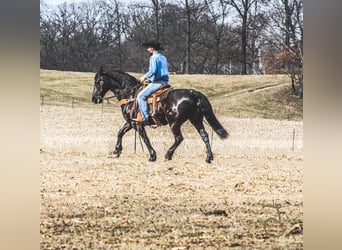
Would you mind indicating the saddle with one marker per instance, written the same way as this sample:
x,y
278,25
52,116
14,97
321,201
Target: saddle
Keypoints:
x,y
153,101
156,97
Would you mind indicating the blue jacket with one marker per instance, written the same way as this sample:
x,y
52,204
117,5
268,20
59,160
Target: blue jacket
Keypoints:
x,y
158,68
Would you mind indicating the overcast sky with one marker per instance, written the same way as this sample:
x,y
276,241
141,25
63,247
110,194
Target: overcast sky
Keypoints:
x,y
56,2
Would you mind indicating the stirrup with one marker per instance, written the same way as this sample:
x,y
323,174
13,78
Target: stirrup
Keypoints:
x,y
136,120
139,118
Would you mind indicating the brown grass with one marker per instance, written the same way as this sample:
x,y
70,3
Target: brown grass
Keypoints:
x,y
237,96
90,200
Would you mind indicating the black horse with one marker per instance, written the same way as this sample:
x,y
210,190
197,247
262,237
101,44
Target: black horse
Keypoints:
x,y
179,106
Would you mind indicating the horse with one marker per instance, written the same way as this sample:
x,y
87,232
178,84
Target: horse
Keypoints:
x,y
180,105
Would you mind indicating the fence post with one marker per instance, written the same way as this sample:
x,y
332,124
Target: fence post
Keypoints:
x,y
293,138
135,141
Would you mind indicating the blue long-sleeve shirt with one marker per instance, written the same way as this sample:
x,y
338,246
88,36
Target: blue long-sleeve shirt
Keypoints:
x,y
158,68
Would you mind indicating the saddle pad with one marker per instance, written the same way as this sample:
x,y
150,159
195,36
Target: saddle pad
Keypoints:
x,y
159,95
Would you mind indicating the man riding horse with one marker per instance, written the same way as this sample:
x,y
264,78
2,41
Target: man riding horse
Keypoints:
x,y
158,73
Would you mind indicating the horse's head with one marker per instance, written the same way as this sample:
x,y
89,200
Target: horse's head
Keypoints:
x,y
100,86
103,82
120,83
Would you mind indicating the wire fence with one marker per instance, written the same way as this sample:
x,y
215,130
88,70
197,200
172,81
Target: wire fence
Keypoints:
x,y
110,104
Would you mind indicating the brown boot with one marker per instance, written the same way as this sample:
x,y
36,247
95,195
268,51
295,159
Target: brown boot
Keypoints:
x,y
139,118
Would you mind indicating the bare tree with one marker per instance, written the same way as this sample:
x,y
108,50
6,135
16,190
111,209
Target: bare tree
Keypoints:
x,y
188,36
285,46
117,24
257,23
199,36
156,10
218,11
243,7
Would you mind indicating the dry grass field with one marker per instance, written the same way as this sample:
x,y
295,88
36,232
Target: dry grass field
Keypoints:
x,y
250,197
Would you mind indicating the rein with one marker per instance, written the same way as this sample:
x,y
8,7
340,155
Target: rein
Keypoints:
x,y
110,97
122,101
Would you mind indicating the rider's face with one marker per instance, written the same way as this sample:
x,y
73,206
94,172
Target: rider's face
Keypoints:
x,y
150,50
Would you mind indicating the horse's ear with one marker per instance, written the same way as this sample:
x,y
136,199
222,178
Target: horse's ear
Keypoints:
x,y
101,69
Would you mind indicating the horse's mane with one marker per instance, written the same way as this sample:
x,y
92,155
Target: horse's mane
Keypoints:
x,y
125,79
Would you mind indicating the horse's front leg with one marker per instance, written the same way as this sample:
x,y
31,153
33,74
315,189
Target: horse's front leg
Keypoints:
x,y
143,135
118,148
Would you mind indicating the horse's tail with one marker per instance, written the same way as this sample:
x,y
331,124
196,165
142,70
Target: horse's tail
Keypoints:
x,y
205,106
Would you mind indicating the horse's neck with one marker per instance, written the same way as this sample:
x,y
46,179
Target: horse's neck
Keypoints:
x,y
131,85
129,92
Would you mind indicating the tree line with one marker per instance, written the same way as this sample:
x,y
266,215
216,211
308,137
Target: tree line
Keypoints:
x,y
198,36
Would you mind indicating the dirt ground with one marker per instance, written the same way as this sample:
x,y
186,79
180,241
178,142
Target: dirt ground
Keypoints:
x,y
250,197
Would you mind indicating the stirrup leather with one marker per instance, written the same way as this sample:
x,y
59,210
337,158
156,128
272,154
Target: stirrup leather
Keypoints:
x,y
139,117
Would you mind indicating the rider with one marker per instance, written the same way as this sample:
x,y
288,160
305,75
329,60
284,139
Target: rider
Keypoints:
x,y
159,74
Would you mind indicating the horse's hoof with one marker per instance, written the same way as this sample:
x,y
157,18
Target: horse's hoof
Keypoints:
x,y
152,159
168,157
209,159
116,154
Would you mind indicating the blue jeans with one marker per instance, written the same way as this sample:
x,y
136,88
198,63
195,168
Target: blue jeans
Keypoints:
x,y
142,97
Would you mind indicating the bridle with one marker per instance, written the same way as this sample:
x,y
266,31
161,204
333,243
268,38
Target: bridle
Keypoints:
x,y
122,100
101,83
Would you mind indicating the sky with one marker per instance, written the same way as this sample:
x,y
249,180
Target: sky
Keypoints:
x,y
56,2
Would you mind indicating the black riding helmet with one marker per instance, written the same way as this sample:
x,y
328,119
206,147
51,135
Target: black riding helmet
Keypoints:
x,y
154,44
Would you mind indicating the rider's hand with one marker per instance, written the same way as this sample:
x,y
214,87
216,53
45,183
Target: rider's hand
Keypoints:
x,y
142,79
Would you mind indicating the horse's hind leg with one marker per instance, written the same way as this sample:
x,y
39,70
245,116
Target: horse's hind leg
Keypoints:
x,y
175,128
123,130
204,135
